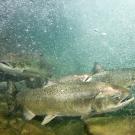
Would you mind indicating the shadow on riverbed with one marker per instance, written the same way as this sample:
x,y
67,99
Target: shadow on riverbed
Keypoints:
x,y
120,123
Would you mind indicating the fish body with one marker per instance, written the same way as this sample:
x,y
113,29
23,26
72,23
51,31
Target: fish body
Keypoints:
x,y
123,77
74,78
33,79
73,99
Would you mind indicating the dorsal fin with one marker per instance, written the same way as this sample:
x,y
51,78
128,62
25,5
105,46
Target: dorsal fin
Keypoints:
x,y
97,68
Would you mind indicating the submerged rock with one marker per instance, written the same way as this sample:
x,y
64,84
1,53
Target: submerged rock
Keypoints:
x,y
71,127
112,125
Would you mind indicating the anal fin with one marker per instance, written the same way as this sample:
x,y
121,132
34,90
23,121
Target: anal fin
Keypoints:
x,y
28,114
48,118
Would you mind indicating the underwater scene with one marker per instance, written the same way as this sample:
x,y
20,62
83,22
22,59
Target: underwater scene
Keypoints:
x,y
67,67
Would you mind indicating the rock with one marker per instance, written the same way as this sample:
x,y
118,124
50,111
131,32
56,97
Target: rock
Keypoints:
x,y
69,126
112,125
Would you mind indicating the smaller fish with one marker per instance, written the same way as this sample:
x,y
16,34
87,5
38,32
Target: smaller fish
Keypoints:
x,y
74,78
97,68
33,79
124,77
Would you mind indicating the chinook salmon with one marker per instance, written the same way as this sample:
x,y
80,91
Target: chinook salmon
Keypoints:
x,y
124,77
73,99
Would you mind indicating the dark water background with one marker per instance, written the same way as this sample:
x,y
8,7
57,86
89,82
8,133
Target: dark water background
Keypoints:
x,y
71,34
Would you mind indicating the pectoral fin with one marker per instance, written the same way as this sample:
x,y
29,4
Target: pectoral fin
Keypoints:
x,y
28,114
47,119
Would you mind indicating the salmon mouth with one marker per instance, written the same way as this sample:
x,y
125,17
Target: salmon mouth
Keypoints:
x,y
124,102
126,99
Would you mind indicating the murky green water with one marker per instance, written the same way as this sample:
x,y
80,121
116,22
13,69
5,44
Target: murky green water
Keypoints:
x,y
58,38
